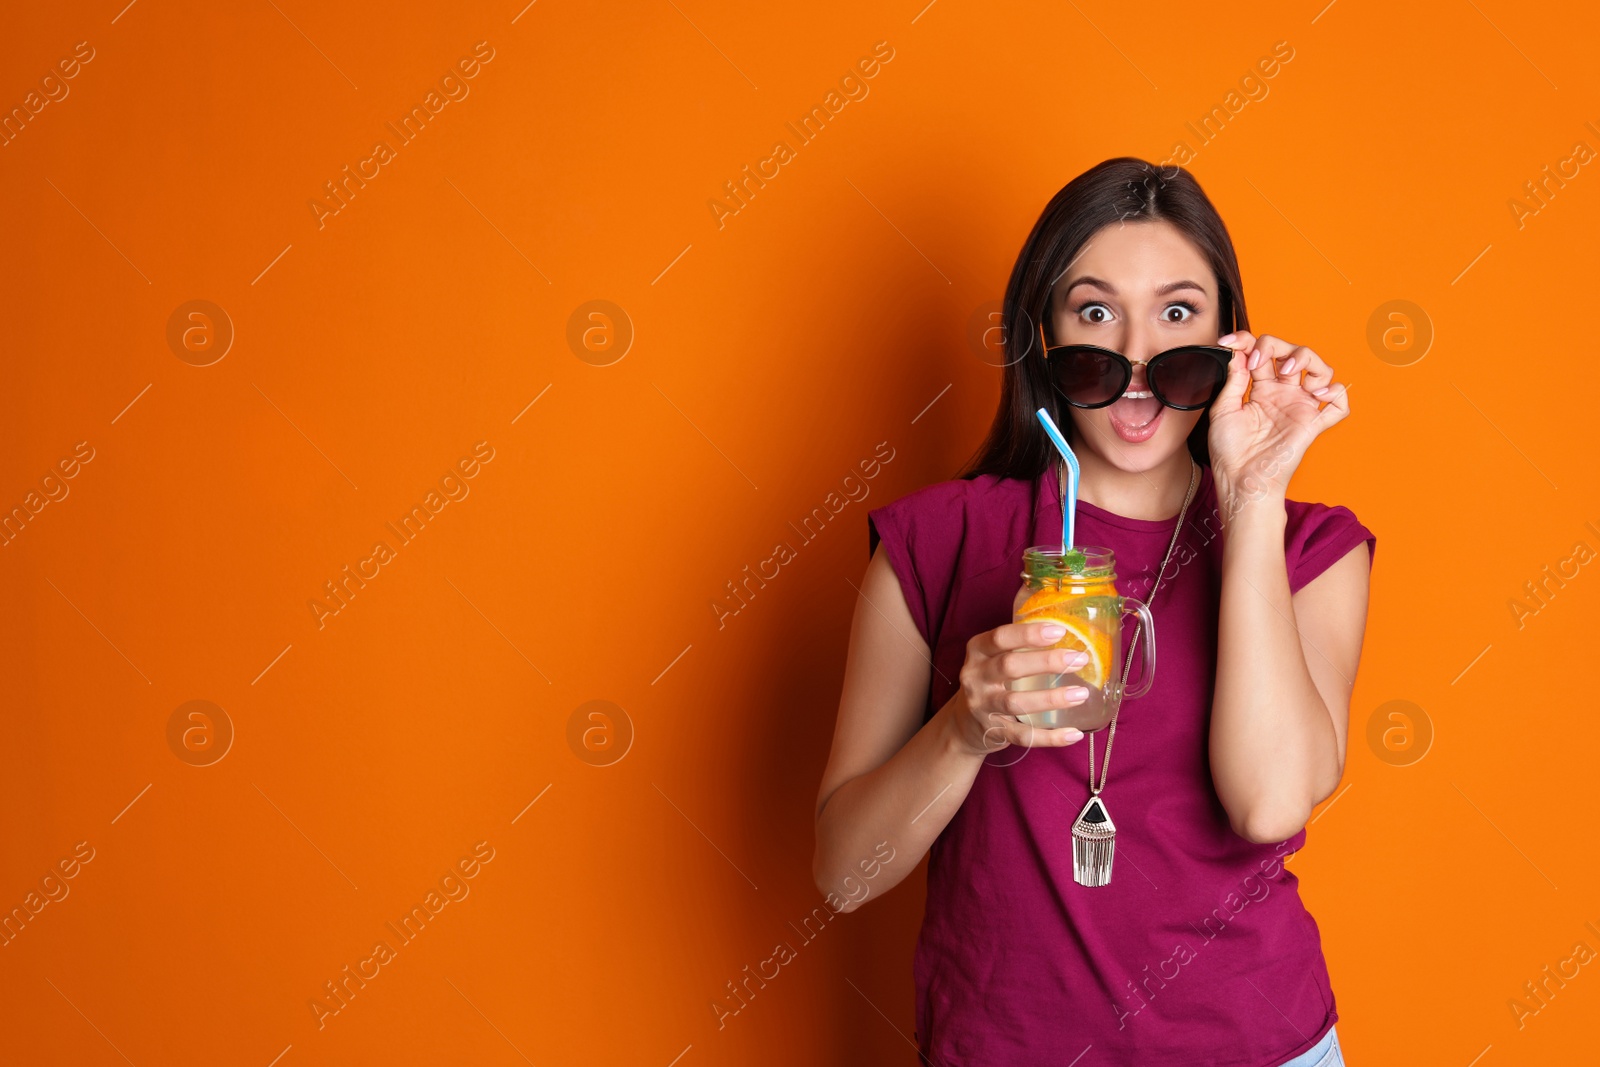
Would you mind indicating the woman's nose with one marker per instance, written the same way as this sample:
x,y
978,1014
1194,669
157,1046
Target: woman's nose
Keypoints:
x,y
1138,349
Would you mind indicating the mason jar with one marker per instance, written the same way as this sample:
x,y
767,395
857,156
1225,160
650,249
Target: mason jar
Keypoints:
x,y
1078,589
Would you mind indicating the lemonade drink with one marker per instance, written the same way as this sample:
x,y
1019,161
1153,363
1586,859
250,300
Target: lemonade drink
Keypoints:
x,y
1078,590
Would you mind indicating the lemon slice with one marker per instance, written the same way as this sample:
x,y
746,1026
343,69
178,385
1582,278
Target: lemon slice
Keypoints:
x,y
1081,637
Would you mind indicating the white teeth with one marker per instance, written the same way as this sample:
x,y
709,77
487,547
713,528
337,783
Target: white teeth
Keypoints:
x,y
1138,396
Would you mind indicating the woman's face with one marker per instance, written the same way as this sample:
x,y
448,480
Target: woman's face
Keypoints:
x,y
1138,288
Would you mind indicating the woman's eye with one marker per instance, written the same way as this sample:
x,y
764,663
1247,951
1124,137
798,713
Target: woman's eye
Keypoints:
x,y
1187,311
1089,312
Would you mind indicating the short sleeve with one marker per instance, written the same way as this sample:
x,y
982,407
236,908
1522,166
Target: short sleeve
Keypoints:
x,y
1317,537
921,533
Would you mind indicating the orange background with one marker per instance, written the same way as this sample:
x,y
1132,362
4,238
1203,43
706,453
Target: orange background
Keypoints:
x,y
769,357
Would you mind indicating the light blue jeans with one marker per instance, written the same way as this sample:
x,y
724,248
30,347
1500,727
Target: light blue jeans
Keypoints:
x,y
1325,1054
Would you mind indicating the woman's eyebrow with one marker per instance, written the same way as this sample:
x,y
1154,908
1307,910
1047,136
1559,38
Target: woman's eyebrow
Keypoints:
x,y
1089,279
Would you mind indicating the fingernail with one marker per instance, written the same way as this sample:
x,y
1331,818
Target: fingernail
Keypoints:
x,y
1319,392
1289,366
1054,630
1225,339
1255,357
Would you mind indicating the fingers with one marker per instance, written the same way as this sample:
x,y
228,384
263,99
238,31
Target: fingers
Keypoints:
x,y
1006,731
1317,373
1265,358
1031,701
1317,379
1000,657
1015,635
1024,663
1261,351
1233,387
1239,341
1337,406
1005,728
1033,737
1272,348
1250,345
1272,358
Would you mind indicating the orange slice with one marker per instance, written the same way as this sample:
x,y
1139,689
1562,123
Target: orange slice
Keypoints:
x,y
1068,597
1081,636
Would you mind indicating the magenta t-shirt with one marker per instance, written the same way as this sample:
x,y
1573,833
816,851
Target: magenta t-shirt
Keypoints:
x,y
1199,952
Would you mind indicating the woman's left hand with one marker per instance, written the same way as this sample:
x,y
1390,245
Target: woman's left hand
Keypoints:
x,y
1256,444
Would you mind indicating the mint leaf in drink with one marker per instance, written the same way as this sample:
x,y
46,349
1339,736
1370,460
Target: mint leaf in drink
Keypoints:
x,y
1073,561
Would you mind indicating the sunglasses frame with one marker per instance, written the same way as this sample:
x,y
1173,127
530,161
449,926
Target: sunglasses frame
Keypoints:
x,y
1221,354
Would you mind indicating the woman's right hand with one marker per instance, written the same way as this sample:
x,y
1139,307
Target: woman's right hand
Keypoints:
x,y
986,715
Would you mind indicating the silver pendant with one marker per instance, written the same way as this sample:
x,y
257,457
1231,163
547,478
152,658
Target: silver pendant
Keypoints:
x,y
1094,841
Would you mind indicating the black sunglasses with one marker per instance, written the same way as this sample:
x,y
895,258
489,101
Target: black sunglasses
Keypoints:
x,y
1187,378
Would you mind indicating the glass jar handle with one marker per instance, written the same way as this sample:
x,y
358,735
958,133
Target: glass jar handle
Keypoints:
x,y
1146,636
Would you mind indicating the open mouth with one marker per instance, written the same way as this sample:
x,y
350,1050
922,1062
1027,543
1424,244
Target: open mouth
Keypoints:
x,y
1135,415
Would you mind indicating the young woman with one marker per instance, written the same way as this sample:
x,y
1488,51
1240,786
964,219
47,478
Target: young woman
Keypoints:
x,y
1198,951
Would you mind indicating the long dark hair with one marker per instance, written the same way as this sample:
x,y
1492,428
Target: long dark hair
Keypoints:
x,y
1121,189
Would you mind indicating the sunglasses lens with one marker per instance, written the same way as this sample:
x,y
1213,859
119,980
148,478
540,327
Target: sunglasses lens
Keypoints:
x,y
1086,377
1188,377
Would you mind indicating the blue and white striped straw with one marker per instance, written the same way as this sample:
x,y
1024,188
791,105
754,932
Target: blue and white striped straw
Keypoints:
x,y
1069,506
